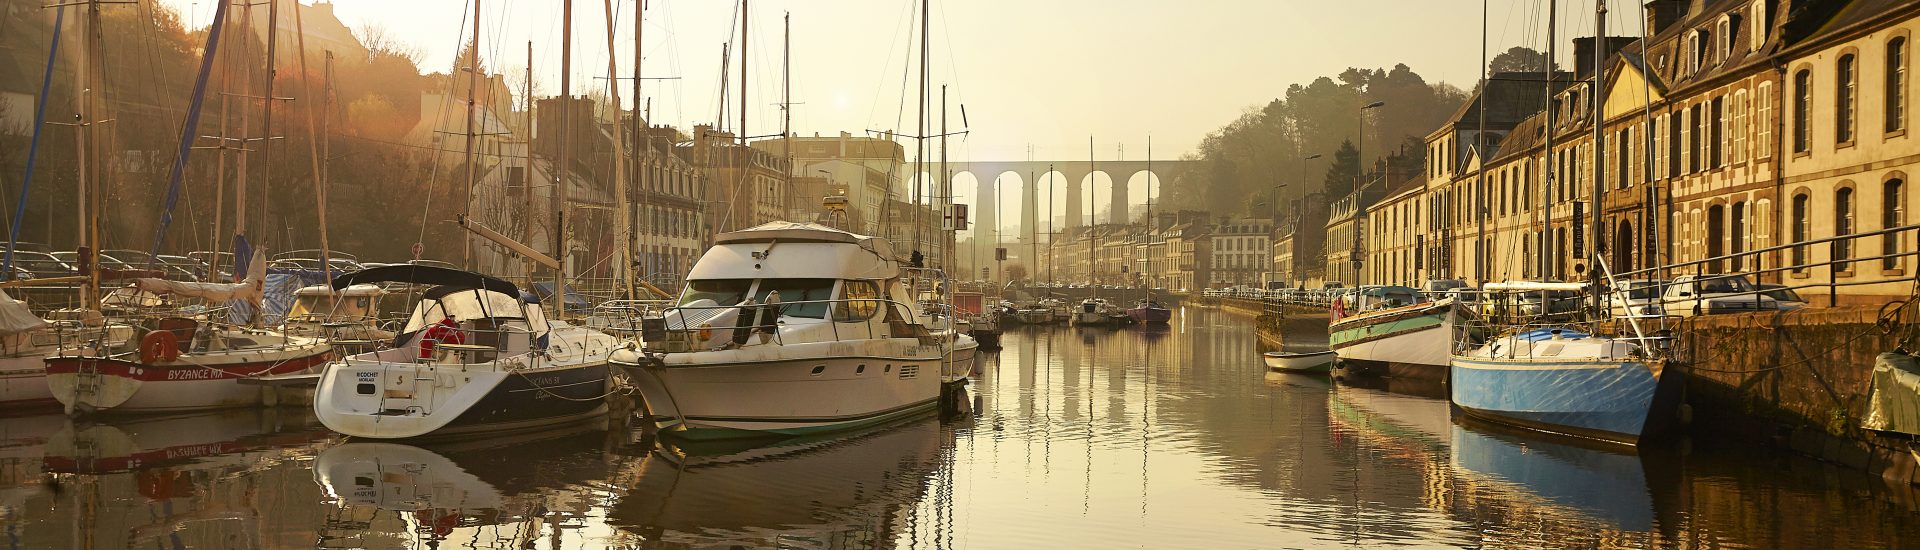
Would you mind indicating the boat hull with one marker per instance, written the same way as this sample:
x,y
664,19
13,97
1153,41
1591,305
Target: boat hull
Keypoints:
x,y
84,384
1411,343
730,394
1156,315
23,383
427,400
1608,400
1300,362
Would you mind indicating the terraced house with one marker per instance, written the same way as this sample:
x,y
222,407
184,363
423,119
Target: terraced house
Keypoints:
x,y
1735,130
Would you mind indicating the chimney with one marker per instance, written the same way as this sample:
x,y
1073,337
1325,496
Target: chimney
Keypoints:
x,y
1583,53
1662,14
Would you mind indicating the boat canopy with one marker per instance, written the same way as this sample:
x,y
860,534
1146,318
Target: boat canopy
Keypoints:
x,y
1532,286
464,303
788,250
426,275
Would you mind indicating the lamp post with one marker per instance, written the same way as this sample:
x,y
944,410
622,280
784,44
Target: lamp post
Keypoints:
x,y
1273,273
1359,188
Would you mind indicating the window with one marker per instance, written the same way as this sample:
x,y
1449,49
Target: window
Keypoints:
x,y
1893,213
1802,105
1842,226
1757,15
862,301
1801,227
1739,153
1843,99
1717,148
1691,154
1716,236
1726,38
1763,121
1896,93
1737,235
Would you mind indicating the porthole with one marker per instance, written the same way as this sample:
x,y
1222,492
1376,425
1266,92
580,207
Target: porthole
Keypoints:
x,y
819,369
862,369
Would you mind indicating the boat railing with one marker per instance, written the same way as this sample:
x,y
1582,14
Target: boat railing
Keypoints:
x,y
846,319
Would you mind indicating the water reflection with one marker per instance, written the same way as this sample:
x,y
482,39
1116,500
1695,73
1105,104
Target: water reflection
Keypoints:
x,y
1122,438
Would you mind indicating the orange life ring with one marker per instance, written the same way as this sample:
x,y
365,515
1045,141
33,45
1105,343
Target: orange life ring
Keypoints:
x,y
158,346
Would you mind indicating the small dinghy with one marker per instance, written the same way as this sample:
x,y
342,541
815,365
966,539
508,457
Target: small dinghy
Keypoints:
x,y
1316,361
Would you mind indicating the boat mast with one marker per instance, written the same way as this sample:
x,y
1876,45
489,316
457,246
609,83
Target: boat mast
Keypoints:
x,y
643,150
620,198
920,141
266,129
1548,256
526,99
1093,263
1050,235
1595,245
563,168
316,144
473,85
946,184
1150,220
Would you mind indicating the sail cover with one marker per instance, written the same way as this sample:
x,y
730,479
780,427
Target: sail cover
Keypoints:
x,y
249,290
15,319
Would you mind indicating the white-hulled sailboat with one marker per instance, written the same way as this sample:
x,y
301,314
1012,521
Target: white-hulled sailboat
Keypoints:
x,y
475,356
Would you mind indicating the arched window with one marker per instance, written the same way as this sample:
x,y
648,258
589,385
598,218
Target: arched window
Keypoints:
x,y
1893,213
1802,110
1896,92
1842,226
1801,227
1843,94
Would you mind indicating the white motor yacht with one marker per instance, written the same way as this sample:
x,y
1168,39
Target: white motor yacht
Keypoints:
x,y
792,328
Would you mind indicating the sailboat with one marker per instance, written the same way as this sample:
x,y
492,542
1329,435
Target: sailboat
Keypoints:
x,y
187,359
1149,311
1584,381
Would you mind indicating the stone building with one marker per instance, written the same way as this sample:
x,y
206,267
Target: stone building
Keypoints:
x,y
1242,252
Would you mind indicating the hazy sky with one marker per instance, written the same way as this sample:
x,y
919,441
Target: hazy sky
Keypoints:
x,y
1045,73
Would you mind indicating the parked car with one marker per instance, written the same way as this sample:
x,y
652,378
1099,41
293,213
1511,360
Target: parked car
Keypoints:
x,y
1785,297
1690,295
1635,297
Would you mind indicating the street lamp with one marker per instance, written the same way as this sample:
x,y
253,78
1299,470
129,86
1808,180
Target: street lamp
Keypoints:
x,y
1359,186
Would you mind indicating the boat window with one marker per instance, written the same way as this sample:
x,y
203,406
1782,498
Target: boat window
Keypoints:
x,y
724,292
861,301
798,290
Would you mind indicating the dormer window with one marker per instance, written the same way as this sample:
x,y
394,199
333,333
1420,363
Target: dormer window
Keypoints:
x,y
1757,16
1727,24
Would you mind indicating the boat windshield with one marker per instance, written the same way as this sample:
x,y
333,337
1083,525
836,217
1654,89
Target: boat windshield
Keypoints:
x,y
470,305
798,290
724,292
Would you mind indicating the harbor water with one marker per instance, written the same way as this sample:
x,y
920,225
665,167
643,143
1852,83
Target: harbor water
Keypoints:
x,y
1170,437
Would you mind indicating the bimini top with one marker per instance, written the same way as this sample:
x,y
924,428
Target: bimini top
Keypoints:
x,y
1533,286
780,250
425,275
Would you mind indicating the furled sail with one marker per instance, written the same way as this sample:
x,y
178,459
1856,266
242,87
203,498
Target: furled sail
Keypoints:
x,y
248,290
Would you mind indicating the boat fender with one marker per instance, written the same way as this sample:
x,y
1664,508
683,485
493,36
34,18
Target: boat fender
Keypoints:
x,y
159,346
